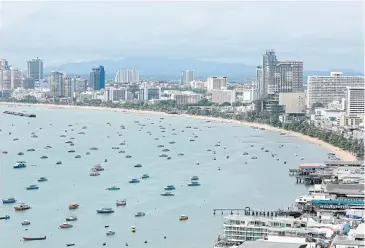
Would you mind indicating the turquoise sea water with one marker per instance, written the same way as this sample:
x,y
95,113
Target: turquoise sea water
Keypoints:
x,y
260,184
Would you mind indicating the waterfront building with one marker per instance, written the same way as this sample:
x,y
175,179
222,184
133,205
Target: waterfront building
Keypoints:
x,y
187,76
147,93
260,87
10,78
185,97
80,84
198,84
97,78
115,94
293,102
69,87
326,89
249,95
222,96
56,84
127,76
217,83
355,100
269,62
35,69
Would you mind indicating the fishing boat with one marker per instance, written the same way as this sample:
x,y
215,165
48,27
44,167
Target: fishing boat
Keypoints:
x,y
113,188
66,225
71,218
170,187
25,223
121,202
167,194
183,217
22,207
145,176
9,200
160,146
110,233
19,165
32,187
172,142
97,167
165,150
134,180
105,211
48,147
139,214
73,206
6,217
35,238
194,178
194,183
42,179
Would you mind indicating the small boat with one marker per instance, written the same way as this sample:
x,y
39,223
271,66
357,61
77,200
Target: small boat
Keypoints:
x,y
113,188
128,156
121,203
81,132
25,223
97,168
105,211
266,150
66,225
48,147
133,229
253,157
183,217
194,178
19,165
88,153
160,146
71,218
78,156
134,180
139,214
115,148
35,238
194,183
94,174
59,162
73,244
94,148
121,151
167,194
9,200
170,187
145,176
73,206
165,150
31,150
22,207
163,156
138,166
172,142
32,186
180,154
68,142
6,217
245,153
84,127
168,158
110,233
44,157
192,140
42,179
71,151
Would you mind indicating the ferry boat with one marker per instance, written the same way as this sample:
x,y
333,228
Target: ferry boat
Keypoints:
x,y
71,218
145,176
32,187
105,211
26,223
167,194
183,217
170,187
134,180
9,200
194,183
22,207
20,164
121,202
194,178
73,206
35,238
6,217
66,225
139,214
42,179
113,188
110,233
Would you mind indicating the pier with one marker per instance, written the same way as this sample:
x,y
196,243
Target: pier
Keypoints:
x,y
19,114
247,211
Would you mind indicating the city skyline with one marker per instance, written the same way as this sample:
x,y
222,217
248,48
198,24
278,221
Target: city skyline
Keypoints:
x,y
321,44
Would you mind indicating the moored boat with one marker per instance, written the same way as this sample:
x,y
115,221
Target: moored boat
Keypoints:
x,y
167,194
194,178
25,223
105,211
121,202
73,206
22,207
32,187
113,188
170,187
71,218
134,180
42,179
145,176
20,164
139,214
183,217
138,166
110,233
94,173
66,225
194,183
9,200
6,217
35,238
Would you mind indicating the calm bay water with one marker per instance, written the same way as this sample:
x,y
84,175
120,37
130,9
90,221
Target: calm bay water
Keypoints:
x,y
260,184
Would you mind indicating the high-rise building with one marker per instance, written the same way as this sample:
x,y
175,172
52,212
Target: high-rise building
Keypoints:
x,y
260,87
288,77
147,93
355,100
80,84
115,94
4,64
97,78
16,78
222,96
28,83
127,76
217,83
69,87
187,76
326,89
56,84
10,78
269,62
35,69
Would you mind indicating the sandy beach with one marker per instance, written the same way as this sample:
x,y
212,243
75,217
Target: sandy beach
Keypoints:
x,y
344,155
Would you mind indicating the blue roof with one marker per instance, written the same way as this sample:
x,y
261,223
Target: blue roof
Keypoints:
x,y
338,202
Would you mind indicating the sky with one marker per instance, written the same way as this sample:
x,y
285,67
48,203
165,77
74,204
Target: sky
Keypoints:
x,y
324,35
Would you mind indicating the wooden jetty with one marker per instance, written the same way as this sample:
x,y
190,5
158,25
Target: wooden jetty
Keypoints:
x,y
247,211
19,114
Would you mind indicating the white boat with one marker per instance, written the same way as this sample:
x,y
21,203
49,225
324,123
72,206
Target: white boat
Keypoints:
x,y
66,225
121,202
25,223
110,233
71,218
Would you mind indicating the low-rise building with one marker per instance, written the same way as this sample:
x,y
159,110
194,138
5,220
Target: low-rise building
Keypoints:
x,y
185,97
148,93
197,84
293,102
115,94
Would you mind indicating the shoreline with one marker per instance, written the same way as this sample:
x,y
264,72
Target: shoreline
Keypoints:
x,y
342,154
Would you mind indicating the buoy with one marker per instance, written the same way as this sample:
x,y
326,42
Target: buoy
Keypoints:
x,y
145,241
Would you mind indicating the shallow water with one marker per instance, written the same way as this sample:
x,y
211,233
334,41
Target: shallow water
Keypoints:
x,y
260,184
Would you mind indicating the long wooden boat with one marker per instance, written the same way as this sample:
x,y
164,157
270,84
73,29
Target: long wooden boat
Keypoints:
x,y
35,238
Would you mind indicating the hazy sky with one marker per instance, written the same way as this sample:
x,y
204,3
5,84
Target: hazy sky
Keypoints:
x,y
324,35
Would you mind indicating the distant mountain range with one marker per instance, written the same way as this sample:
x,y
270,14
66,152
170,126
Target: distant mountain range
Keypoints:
x,y
170,69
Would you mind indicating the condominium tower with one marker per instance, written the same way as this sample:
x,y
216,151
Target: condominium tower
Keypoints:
x,y
35,69
127,76
97,78
187,76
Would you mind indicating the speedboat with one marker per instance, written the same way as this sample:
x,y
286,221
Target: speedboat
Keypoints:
x,y
73,206
170,187
138,166
121,202
22,207
66,225
71,218
32,186
110,233
35,238
194,178
134,180
145,176
9,200
167,194
183,217
19,165
105,211
25,223
194,183
113,188
139,214
42,179
6,217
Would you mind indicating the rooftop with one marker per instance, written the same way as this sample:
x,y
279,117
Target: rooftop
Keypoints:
x,y
268,244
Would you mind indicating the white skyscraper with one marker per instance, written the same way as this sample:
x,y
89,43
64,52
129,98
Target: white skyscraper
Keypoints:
x,y
217,83
56,84
10,78
187,76
127,76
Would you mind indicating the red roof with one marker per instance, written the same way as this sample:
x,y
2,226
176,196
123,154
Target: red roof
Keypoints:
x,y
310,166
